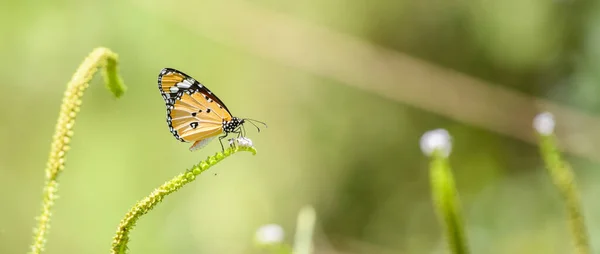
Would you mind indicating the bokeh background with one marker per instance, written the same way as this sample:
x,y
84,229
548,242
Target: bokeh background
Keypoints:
x,y
347,88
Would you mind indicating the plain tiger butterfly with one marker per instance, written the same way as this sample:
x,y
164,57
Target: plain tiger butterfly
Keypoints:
x,y
194,113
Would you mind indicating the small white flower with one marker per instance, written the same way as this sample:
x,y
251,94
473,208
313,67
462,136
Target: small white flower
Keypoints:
x,y
243,141
269,234
436,139
544,123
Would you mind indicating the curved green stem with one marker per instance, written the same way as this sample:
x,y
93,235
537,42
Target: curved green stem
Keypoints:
x,y
142,207
446,202
100,57
563,177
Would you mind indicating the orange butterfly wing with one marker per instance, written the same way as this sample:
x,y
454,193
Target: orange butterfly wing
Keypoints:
x,y
194,118
194,114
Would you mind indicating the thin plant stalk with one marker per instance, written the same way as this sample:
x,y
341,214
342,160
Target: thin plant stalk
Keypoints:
x,y
303,242
121,238
98,58
447,204
564,179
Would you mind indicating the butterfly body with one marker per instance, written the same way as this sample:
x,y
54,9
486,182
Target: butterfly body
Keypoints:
x,y
194,113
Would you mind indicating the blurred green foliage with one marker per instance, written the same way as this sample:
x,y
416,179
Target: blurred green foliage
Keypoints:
x,y
352,154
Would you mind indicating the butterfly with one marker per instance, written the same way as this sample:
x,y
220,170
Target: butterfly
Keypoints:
x,y
194,113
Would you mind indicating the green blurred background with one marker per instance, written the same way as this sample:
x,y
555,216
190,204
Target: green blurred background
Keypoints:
x,y
350,152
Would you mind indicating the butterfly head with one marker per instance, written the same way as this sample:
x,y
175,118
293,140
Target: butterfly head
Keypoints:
x,y
232,125
236,125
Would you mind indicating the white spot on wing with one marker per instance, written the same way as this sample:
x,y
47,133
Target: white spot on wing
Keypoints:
x,y
174,89
185,84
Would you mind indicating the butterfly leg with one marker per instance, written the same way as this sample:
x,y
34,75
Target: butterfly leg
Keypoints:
x,y
243,130
240,131
221,141
231,142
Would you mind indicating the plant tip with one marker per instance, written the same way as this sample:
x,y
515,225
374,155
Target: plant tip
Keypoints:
x,y
544,123
436,139
243,141
269,234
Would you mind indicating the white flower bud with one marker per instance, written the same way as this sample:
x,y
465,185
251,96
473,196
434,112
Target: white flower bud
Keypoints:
x,y
544,123
436,139
243,141
269,234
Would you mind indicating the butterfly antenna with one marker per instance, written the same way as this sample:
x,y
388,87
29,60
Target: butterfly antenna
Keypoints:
x,y
252,122
254,125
